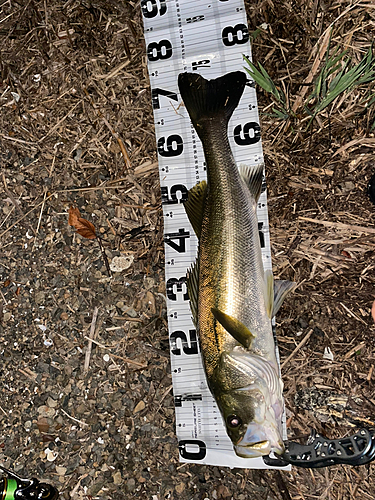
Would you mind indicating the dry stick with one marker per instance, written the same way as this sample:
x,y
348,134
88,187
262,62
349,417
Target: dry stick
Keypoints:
x,y
115,134
75,419
352,314
126,360
40,216
301,344
13,139
312,73
92,333
367,141
354,350
12,198
104,255
339,225
3,297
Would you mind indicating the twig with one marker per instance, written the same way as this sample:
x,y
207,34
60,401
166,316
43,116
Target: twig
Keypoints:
x,y
3,297
301,344
354,350
72,418
92,333
313,71
18,140
11,197
104,255
340,225
126,360
352,314
40,216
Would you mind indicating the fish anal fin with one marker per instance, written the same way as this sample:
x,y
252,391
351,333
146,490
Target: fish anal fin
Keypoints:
x,y
194,206
269,292
281,290
252,175
275,292
234,327
193,290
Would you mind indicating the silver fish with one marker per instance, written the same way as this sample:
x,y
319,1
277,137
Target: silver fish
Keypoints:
x,y
232,299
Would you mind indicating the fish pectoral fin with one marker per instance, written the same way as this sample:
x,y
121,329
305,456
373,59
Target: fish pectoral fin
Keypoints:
x,y
281,290
234,327
194,206
192,281
252,175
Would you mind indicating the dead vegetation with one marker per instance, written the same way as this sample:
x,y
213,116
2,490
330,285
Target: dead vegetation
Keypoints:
x,y
77,128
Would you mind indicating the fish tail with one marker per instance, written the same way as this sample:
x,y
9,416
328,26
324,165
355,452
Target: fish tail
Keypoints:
x,y
211,99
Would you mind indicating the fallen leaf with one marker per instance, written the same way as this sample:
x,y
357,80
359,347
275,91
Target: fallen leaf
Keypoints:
x,y
373,311
74,215
83,227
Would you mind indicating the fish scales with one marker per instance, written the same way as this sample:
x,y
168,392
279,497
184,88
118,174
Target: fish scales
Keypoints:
x,y
232,299
231,269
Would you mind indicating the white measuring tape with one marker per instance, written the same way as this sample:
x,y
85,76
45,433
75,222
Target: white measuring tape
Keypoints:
x,y
209,38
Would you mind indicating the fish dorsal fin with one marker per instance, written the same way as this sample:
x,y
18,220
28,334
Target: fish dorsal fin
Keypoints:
x,y
194,206
281,290
234,327
253,178
193,287
275,293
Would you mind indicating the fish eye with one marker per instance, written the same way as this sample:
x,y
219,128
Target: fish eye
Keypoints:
x,y
233,421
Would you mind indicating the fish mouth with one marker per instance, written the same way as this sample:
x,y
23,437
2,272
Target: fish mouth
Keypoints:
x,y
259,440
254,450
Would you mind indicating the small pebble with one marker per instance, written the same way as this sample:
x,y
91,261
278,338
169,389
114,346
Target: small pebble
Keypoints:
x,y
46,411
140,406
121,263
60,470
130,484
117,478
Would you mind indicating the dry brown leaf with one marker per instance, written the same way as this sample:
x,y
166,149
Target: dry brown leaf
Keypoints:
x,y
83,227
74,215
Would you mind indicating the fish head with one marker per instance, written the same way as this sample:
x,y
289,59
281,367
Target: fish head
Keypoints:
x,y
249,395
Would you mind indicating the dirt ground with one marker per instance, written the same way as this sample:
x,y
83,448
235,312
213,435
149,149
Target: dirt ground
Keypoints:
x,y
87,397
